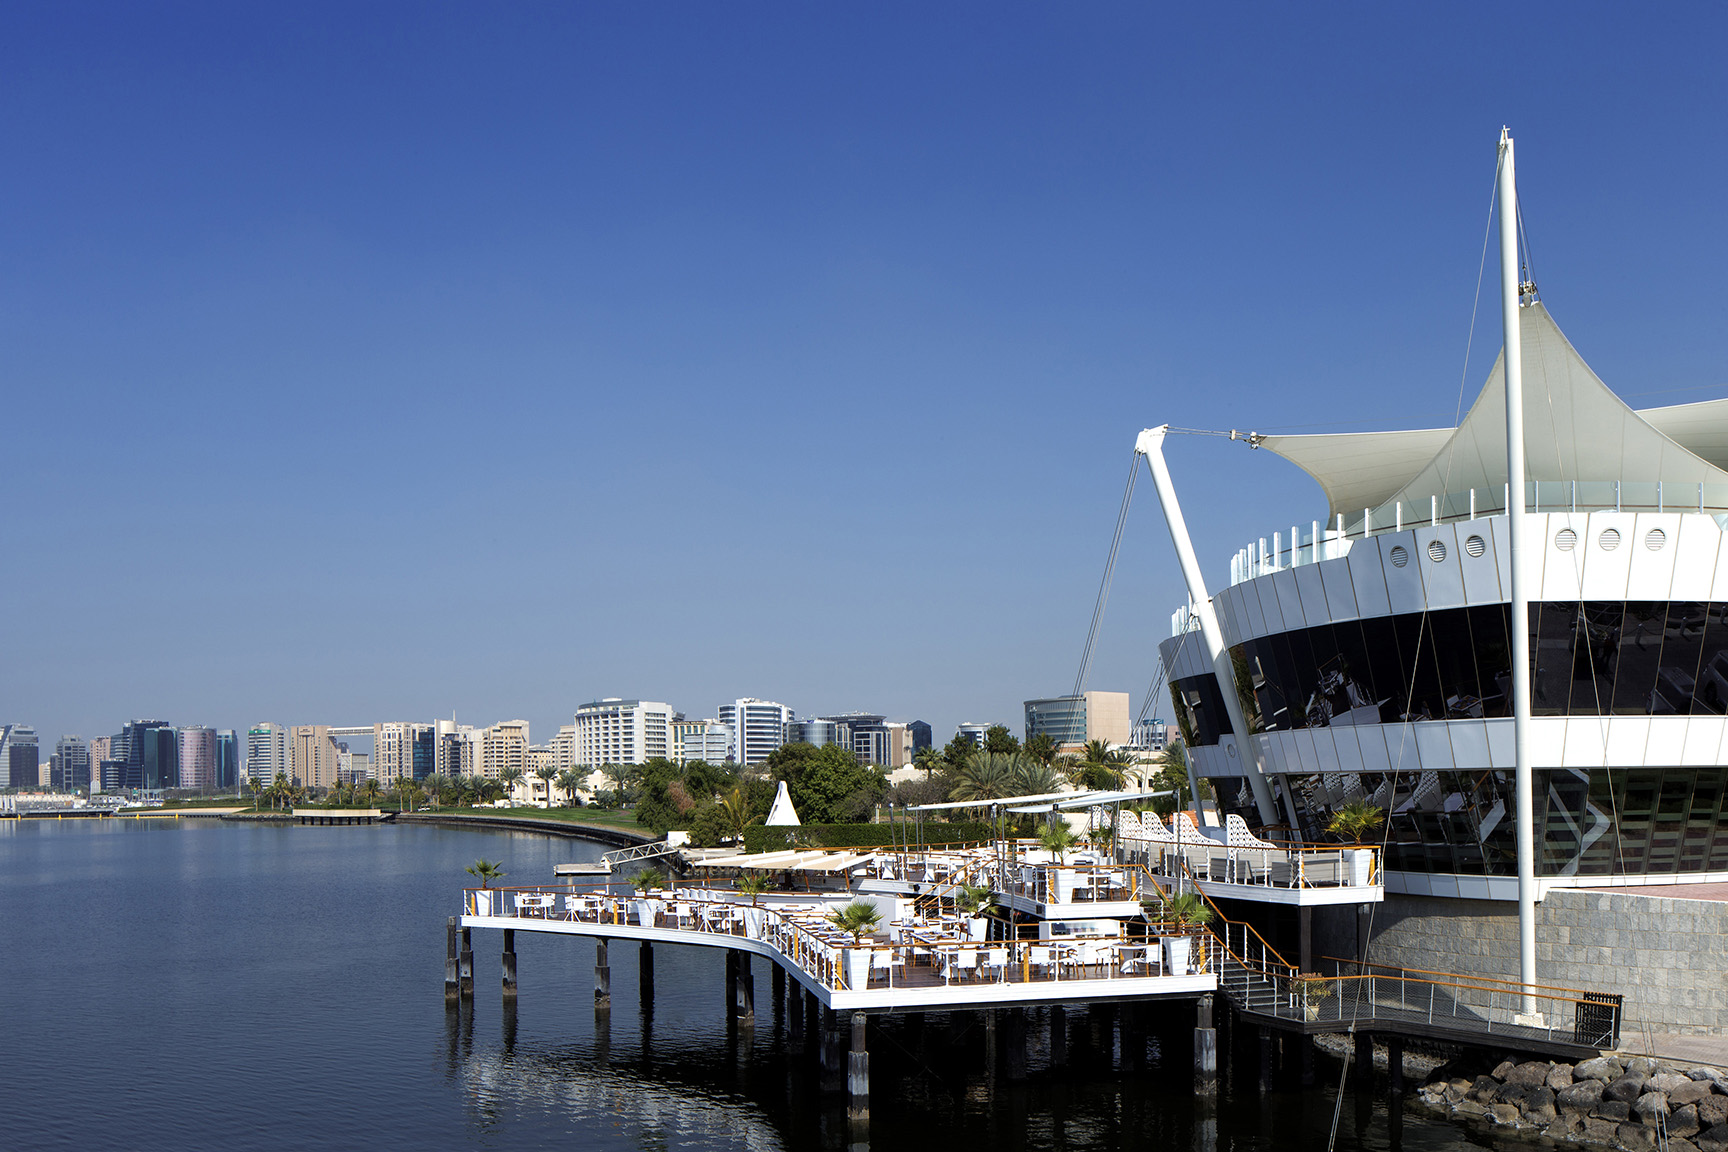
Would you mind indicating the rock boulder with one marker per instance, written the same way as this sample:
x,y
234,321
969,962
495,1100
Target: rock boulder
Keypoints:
x,y
1531,1074
1603,1068
1559,1076
1628,1088
1583,1096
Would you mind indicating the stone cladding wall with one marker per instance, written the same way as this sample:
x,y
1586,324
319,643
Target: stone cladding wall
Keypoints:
x,y
1669,958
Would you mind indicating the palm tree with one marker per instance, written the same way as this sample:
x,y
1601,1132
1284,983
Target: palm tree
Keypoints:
x,y
568,780
984,776
858,918
436,786
1355,820
752,885
369,792
1042,747
973,899
487,871
1032,778
1180,908
547,774
735,807
649,879
1056,839
928,759
509,778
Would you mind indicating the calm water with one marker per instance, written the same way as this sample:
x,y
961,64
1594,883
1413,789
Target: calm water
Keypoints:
x,y
197,984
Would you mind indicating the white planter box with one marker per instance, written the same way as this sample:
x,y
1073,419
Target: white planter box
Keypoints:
x,y
753,921
1361,862
1061,886
857,968
1177,950
978,926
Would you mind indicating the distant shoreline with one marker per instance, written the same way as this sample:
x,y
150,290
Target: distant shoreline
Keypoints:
x,y
570,829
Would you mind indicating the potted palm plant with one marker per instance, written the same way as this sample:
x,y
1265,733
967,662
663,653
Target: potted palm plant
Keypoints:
x,y
753,886
1057,839
1354,822
1182,912
973,901
858,918
485,871
648,881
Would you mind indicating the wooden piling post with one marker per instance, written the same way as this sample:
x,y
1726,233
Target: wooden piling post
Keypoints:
x,y
602,977
746,990
858,1074
1395,1066
1015,1065
731,984
465,964
1263,1082
509,962
452,979
1364,1070
1205,1049
645,971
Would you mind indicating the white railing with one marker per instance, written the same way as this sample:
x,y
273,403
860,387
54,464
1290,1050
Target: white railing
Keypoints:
x,y
919,953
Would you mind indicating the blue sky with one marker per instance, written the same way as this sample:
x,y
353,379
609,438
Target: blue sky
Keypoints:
x,y
367,362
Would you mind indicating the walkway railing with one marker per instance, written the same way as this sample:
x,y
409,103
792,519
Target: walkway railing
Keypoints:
x,y
918,953
1297,867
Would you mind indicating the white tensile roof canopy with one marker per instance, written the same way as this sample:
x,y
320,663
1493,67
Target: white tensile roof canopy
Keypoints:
x,y
781,813
1575,428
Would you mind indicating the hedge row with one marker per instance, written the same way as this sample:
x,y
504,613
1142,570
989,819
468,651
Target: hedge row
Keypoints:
x,y
758,838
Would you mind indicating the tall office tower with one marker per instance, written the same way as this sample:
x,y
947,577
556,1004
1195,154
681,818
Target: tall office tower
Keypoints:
x,y
1151,736
19,756
197,752
314,755
453,748
70,764
227,758
870,737
758,727
1073,721
974,733
402,749
614,731
564,748
101,748
920,735
706,740
268,754
352,767
147,753
502,746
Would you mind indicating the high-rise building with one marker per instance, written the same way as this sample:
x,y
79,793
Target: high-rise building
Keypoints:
x,y
614,731
20,756
1073,721
146,757
447,737
197,757
758,727
972,733
227,758
70,764
314,755
352,767
826,730
920,735
101,748
502,746
1150,736
706,740
400,749
870,737
269,753
564,748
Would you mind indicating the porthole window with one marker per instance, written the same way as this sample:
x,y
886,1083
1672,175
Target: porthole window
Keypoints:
x,y
1475,547
1565,539
1436,551
1654,539
1400,557
1610,539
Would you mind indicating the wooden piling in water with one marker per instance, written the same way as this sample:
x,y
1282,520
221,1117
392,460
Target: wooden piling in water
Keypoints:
x,y
452,977
602,977
465,964
858,1073
509,960
1205,1049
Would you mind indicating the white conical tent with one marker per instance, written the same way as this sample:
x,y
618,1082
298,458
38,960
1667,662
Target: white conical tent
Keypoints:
x,y
1575,428
781,813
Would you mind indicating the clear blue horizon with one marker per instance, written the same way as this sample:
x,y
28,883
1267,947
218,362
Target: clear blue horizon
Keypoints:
x,y
386,362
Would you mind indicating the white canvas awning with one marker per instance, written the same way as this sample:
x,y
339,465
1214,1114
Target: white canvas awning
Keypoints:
x,y
1575,428
781,813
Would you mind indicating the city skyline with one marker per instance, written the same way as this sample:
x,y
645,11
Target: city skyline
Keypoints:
x,y
500,303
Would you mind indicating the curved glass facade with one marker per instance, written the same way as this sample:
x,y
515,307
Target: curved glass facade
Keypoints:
x,y
1590,658
1601,822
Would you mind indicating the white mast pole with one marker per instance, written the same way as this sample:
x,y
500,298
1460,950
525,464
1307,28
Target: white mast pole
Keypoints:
x,y
1151,445
1510,302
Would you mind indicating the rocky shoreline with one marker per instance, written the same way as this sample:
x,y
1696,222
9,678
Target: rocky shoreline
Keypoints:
x,y
1634,1104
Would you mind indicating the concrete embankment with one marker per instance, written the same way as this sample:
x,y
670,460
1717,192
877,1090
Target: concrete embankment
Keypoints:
x,y
600,833
1636,1104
